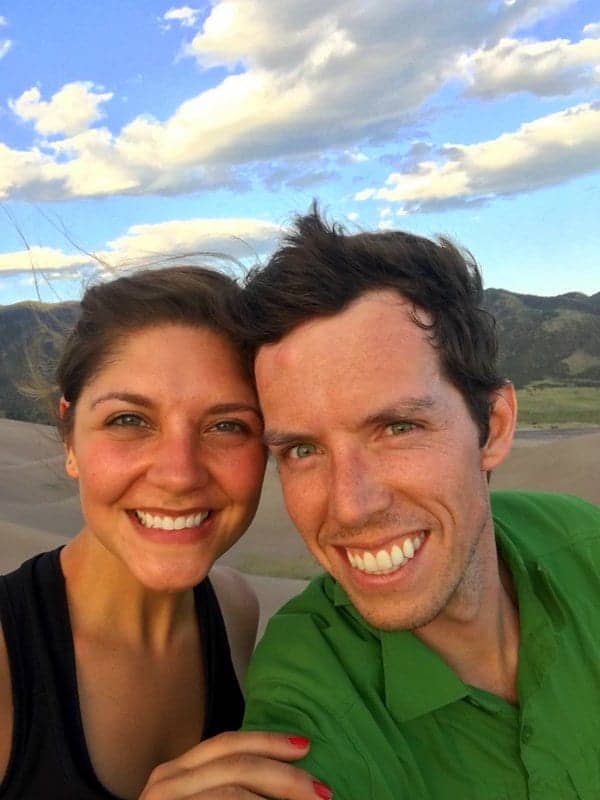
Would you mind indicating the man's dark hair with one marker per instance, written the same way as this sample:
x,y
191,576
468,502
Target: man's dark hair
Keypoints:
x,y
319,270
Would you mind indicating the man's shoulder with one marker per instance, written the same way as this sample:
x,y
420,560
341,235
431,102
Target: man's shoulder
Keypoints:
x,y
308,614
309,636
543,521
561,510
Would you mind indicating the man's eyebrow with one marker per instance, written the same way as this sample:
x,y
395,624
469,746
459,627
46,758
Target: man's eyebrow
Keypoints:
x,y
275,438
408,406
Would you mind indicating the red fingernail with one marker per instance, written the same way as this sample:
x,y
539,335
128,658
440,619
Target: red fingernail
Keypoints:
x,y
322,791
298,741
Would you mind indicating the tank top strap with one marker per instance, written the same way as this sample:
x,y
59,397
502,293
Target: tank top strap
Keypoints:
x,y
224,699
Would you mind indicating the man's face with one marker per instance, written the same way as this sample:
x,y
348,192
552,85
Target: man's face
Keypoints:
x,y
379,459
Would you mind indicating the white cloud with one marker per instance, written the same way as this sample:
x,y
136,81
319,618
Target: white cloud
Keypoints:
x,y
3,22
70,111
5,46
40,258
186,16
545,68
592,29
238,238
309,76
541,153
355,156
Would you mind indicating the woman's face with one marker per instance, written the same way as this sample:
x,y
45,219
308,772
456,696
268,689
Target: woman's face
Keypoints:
x,y
166,445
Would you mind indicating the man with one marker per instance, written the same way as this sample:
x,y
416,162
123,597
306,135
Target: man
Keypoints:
x,y
453,648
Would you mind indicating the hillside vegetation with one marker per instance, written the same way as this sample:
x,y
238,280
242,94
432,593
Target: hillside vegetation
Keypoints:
x,y
547,339
549,348
30,337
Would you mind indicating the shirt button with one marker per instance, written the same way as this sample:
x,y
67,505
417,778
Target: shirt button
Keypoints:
x,y
526,733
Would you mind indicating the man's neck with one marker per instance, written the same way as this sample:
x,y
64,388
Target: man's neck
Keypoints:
x,y
477,634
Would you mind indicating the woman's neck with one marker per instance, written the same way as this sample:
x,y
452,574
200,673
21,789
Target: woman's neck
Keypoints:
x,y
106,600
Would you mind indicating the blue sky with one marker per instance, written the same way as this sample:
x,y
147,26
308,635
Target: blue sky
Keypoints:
x,y
133,130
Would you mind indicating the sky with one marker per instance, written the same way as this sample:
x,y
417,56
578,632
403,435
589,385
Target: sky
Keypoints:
x,y
132,132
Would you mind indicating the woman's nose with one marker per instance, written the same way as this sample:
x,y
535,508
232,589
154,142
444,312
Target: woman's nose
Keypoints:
x,y
177,465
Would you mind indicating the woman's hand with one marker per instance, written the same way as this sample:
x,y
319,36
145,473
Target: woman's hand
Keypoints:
x,y
237,766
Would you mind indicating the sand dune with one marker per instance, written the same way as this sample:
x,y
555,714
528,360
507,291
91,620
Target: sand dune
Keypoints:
x,y
570,465
39,508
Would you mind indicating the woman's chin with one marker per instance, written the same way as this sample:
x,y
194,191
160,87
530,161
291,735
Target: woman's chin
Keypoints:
x,y
171,574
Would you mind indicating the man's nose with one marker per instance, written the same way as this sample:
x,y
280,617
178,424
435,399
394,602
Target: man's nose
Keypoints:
x,y
178,464
357,491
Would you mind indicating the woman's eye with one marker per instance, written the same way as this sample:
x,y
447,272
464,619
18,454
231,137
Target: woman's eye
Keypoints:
x,y
397,428
128,421
230,426
302,451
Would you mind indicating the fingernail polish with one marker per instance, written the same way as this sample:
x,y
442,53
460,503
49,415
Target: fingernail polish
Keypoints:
x,y
298,741
322,791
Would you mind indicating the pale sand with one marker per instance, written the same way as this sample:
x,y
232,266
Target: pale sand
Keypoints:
x,y
39,508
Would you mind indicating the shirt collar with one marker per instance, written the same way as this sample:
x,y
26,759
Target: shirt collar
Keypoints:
x,y
417,681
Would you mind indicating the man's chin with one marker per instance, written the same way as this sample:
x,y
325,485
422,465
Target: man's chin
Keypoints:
x,y
389,613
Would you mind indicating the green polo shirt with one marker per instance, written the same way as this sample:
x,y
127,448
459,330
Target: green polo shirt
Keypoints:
x,y
388,719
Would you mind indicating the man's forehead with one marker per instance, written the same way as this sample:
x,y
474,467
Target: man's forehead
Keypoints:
x,y
376,314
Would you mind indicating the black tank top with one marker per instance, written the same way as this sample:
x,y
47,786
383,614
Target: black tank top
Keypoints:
x,y
49,758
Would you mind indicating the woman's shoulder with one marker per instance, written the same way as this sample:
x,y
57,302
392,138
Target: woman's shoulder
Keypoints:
x,y
6,707
17,587
239,607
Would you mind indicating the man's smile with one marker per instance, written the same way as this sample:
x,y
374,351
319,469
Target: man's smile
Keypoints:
x,y
386,559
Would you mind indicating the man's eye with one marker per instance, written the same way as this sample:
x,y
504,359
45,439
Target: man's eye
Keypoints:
x,y
128,421
398,428
302,451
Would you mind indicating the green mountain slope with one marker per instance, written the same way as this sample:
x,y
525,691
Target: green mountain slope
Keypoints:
x,y
555,340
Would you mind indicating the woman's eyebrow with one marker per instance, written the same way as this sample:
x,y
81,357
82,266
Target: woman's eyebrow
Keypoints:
x,y
232,408
125,397
146,402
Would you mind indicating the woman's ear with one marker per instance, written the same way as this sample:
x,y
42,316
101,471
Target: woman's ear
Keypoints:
x,y
503,419
63,407
70,460
71,463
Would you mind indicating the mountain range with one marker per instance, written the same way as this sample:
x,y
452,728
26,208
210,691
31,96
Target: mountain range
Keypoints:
x,y
554,340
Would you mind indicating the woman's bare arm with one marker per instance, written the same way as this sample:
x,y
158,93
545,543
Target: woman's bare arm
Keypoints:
x,y
6,707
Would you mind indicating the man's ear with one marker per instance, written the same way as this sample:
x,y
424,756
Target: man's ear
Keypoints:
x,y
503,419
70,460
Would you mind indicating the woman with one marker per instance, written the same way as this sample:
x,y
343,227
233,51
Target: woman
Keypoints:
x,y
114,656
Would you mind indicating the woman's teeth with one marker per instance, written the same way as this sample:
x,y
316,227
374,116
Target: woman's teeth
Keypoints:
x,y
171,523
384,561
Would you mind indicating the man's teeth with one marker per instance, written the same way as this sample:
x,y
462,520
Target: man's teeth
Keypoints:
x,y
171,523
382,561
